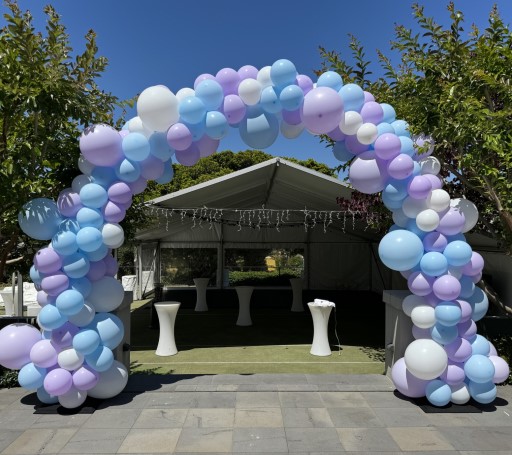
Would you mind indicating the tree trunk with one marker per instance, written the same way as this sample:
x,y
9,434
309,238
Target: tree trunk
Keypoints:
x,y
506,219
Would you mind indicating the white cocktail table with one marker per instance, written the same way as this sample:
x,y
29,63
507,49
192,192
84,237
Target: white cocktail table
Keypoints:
x,y
244,305
166,317
201,285
320,316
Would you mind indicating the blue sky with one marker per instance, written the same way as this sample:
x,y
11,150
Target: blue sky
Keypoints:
x,y
171,43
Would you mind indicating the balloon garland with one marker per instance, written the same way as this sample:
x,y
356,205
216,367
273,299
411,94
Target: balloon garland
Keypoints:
x,y
72,358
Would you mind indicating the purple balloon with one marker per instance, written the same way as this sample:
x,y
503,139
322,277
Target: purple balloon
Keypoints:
x,y
229,79
44,299
85,378
112,266
53,285
120,192
387,146
454,373
459,350
97,270
190,156
17,341
368,174
354,146
46,260
466,310
248,72
435,181
467,330
419,187
138,186
405,382
368,97
101,145
336,134
372,112
435,241
419,333
305,83
179,137
62,337
203,77
234,109
69,202
292,117
151,168
58,381
322,110
475,265
420,284
451,221
113,213
446,287
43,354
207,146
501,369
401,166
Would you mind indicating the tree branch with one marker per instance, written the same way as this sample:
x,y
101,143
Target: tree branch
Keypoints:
x,y
464,180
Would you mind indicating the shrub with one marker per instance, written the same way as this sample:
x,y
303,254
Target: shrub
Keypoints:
x,y
8,378
261,278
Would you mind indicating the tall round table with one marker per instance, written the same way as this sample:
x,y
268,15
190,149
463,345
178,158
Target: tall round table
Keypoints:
x,y
297,294
166,317
244,305
201,285
320,316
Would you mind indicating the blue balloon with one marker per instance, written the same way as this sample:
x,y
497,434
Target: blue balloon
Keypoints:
x,y
89,239
269,100
101,359
93,195
86,341
479,368
341,153
197,129
407,146
413,227
417,169
110,329
210,93
98,254
401,250
69,225
433,264
482,392
168,174
330,79
443,334
45,397
291,97
448,313
75,265
401,128
160,147
283,73
216,125
82,285
31,377
36,276
89,217
479,302
70,302
136,147
103,176
383,128
64,243
438,392
480,346
389,113
458,253
192,110
352,96
40,218
390,203
50,318
396,190
467,287
259,129
127,171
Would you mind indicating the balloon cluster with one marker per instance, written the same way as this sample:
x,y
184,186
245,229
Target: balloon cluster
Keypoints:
x,y
72,357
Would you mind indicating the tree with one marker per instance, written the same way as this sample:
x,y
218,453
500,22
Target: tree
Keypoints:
x,y
48,96
456,87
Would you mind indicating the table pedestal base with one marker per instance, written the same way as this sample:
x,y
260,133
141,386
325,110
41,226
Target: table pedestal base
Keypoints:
x,y
297,295
201,285
320,316
166,317
244,305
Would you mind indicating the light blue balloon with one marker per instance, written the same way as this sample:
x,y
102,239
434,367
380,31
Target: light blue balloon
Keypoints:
x,y
89,217
36,276
110,329
98,254
192,110
443,334
168,174
269,100
50,318
467,287
482,392
70,302
159,146
390,203
44,397
407,146
384,127
103,175
31,377
438,392
40,218
291,97
196,129
69,225
64,243
75,265
460,236
86,341
259,129
479,368
413,227
210,93
101,359
396,190
448,313
416,169
216,125
352,96
136,147
401,250
458,253
127,171
479,302
480,346
389,113
330,79
433,264
93,195
401,128
341,153
82,285
283,73
89,239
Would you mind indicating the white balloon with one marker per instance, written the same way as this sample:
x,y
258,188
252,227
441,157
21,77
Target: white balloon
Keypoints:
x,y
425,359
249,91
157,107
79,182
400,218
423,316
70,360
263,77
430,165
351,122
469,210
460,394
111,382
73,398
113,235
291,131
438,200
85,166
84,316
411,302
135,125
412,207
425,140
427,220
367,133
185,92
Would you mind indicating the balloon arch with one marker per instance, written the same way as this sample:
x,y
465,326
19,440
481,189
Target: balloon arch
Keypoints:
x,y
71,358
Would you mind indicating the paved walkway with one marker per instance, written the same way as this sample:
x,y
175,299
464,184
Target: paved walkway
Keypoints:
x,y
299,414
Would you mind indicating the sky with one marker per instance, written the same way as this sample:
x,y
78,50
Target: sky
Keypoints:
x,y
171,43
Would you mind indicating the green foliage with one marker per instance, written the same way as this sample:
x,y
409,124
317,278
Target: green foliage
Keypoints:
x,y
8,378
456,87
48,94
254,278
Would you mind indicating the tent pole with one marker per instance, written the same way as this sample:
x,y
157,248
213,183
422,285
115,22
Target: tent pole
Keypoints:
x,y
220,259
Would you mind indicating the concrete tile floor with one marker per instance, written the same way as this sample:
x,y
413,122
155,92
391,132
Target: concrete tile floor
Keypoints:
x,y
258,414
